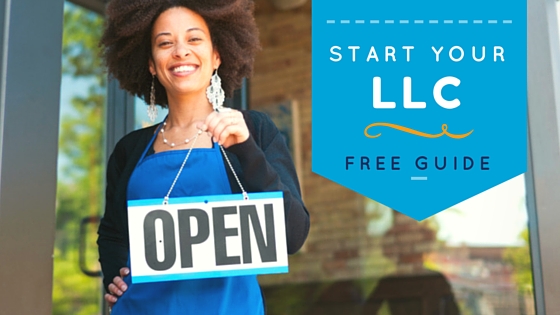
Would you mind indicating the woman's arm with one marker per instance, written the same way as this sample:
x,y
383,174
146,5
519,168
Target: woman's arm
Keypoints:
x,y
112,244
269,167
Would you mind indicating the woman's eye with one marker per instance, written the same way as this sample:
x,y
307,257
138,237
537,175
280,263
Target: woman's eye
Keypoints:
x,y
164,44
194,39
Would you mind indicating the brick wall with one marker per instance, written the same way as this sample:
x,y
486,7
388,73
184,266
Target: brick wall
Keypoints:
x,y
338,246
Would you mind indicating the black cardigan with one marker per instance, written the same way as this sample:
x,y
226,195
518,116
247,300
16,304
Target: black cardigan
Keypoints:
x,y
263,163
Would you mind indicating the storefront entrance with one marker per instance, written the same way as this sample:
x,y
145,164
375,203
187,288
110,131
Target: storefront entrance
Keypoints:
x,y
493,254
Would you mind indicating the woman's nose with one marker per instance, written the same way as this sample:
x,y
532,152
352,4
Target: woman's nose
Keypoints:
x,y
181,50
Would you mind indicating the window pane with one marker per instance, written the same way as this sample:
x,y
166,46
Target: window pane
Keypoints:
x,y
81,164
368,259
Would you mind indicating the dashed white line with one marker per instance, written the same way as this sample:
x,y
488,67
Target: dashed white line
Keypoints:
x,y
419,21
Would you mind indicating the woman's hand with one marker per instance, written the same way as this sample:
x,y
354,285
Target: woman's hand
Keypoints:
x,y
117,288
227,127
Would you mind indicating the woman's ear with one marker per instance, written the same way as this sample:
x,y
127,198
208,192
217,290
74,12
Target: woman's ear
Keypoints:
x,y
151,67
217,61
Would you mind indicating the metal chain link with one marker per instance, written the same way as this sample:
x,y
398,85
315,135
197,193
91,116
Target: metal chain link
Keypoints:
x,y
222,109
166,198
245,195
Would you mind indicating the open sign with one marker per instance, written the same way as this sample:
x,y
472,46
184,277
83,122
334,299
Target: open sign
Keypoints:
x,y
207,237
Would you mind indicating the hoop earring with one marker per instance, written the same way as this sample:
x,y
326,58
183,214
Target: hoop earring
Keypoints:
x,y
215,92
152,109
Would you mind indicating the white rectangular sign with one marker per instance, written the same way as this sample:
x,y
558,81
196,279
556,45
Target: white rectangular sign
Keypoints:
x,y
207,237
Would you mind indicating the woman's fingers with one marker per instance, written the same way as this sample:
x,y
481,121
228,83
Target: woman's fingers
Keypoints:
x,y
226,128
118,284
114,290
124,272
223,127
212,121
111,299
117,288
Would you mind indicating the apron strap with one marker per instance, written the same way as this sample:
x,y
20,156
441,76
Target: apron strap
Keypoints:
x,y
151,142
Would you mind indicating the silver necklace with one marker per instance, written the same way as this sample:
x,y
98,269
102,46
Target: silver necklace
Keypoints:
x,y
172,144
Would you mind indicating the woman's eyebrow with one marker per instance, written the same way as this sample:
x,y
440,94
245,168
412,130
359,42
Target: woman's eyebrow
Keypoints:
x,y
195,29
162,34
189,30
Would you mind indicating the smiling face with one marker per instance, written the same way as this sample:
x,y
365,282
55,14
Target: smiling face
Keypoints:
x,y
183,57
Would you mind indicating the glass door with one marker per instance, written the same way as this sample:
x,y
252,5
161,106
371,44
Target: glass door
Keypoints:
x,y
81,165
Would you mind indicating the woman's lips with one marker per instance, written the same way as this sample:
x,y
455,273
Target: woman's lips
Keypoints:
x,y
183,69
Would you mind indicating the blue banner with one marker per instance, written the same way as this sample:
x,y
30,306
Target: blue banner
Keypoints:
x,y
419,105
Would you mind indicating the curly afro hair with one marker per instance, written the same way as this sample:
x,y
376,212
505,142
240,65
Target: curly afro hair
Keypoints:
x,y
127,40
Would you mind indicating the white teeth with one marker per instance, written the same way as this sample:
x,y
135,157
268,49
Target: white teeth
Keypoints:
x,y
183,69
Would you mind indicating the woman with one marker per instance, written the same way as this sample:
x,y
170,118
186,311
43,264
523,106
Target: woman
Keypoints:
x,y
173,53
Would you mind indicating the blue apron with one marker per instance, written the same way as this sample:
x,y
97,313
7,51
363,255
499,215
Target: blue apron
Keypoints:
x,y
203,174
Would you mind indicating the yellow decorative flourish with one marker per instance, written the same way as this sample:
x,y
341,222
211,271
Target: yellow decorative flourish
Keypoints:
x,y
415,132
